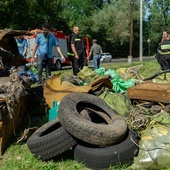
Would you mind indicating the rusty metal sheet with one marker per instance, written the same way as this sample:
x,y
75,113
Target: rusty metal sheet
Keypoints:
x,y
55,89
157,92
9,126
8,47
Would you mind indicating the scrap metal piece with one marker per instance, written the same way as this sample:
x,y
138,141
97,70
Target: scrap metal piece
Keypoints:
x,y
8,47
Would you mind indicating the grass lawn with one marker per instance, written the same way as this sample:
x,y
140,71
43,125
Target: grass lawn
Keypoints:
x,y
18,157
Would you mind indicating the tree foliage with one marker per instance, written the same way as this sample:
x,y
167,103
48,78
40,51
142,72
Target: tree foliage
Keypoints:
x,y
113,22
158,20
106,20
23,14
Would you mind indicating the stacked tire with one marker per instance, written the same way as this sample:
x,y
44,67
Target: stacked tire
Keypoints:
x,y
100,135
103,157
50,140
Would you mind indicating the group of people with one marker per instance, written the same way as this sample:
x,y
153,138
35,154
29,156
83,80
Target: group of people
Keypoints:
x,y
77,53
163,51
44,42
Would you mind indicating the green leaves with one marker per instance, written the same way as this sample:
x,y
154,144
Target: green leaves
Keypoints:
x,y
107,20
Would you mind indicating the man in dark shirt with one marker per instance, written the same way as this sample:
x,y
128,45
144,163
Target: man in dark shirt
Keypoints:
x,y
164,52
79,52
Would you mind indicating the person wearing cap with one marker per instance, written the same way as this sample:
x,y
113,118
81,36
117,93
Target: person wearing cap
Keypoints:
x,y
44,43
95,50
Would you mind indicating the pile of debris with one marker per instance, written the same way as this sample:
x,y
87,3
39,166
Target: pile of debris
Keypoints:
x,y
105,128
13,93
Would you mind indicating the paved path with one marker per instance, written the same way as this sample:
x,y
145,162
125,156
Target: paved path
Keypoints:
x,y
133,59
90,63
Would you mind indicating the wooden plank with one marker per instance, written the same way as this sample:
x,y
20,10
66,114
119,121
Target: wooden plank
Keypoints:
x,y
157,92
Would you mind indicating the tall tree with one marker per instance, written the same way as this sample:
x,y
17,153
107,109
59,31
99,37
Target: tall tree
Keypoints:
x,y
79,13
158,20
112,26
5,13
22,14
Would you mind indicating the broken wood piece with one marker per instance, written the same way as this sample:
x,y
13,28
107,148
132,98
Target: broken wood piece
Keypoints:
x,y
149,91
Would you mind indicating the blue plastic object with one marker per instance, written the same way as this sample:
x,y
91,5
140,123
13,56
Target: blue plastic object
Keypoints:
x,y
53,112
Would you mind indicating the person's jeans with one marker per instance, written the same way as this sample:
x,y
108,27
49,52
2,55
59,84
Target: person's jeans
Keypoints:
x,y
41,63
75,66
96,61
23,68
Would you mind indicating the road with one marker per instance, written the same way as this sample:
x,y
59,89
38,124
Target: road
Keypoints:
x,y
90,63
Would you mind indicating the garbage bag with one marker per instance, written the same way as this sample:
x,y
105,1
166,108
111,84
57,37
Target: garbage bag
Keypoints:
x,y
154,148
111,73
120,86
118,102
101,71
87,75
162,118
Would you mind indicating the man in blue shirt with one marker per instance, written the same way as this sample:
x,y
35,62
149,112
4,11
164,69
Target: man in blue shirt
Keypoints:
x,y
44,43
22,45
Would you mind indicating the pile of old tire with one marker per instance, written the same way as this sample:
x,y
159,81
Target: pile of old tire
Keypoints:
x,y
103,136
98,136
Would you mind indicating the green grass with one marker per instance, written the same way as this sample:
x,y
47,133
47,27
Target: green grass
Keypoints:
x,y
18,156
149,67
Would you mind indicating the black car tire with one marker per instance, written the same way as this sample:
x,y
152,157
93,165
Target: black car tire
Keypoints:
x,y
103,158
111,130
50,140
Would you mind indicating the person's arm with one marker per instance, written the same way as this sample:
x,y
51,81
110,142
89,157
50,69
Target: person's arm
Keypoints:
x,y
101,51
25,48
74,51
34,50
90,53
86,52
89,56
59,51
56,44
25,51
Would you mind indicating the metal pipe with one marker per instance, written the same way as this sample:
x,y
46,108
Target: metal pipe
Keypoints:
x,y
141,32
131,31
